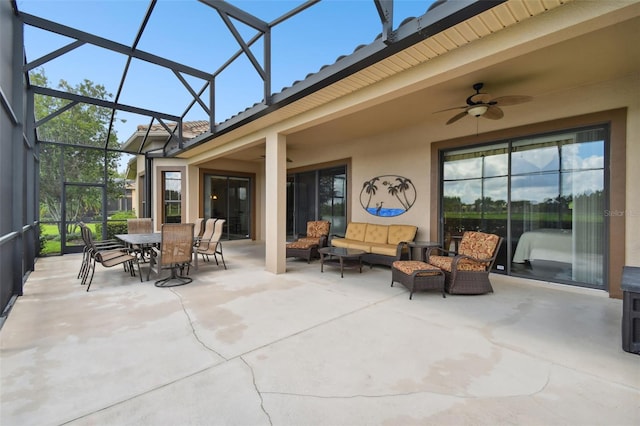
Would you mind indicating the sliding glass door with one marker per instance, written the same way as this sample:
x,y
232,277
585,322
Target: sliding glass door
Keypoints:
x,y
317,195
545,194
229,198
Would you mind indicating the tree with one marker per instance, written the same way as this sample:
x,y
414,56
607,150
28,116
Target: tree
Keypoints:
x,y
74,158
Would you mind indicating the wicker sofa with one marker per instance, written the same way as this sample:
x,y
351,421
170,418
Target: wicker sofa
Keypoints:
x,y
382,243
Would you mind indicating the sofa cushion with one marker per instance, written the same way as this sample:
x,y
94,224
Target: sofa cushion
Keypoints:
x,y
376,234
400,233
340,242
384,249
356,231
354,244
358,245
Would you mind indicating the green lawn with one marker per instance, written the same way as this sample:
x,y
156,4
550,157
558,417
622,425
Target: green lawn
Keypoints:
x,y
51,234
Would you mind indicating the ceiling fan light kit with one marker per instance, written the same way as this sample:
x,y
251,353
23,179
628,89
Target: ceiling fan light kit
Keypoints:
x,y
477,110
482,105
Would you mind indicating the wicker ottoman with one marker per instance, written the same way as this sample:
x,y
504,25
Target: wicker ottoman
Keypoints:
x,y
302,249
416,275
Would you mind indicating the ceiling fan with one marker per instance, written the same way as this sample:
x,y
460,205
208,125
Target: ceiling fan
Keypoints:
x,y
481,105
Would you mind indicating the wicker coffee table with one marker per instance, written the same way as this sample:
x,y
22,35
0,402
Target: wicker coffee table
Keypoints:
x,y
341,257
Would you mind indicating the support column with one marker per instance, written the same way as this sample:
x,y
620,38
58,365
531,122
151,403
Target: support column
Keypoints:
x,y
275,203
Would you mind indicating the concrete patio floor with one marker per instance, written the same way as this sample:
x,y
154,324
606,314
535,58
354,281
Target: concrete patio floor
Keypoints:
x,y
246,347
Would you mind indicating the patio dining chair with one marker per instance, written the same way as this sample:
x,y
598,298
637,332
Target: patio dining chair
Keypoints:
x,y
212,246
107,257
175,253
467,271
143,225
91,245
198,231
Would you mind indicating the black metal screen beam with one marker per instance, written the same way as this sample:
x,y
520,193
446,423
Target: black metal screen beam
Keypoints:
x,y
110,45
6,105
125,71
78,146
433,22
243,45
102,103
385,11
293,12
56,113
146,137
148,193
46,58
246,18
196,97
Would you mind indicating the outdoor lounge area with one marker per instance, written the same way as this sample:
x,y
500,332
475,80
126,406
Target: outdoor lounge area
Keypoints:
x,y
517,121
243,346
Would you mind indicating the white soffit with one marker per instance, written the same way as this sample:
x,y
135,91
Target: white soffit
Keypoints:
x,y
484,24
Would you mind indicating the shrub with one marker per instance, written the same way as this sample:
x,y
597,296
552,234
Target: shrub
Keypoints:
x,y
113,228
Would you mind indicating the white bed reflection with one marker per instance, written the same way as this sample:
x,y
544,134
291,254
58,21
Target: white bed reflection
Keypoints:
x,y
545,244
548,251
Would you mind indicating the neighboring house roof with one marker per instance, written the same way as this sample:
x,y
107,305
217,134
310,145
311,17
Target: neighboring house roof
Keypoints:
x,y
190,129
158,133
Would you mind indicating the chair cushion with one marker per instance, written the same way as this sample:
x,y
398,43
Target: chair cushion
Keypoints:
x,y
399,233
444,263
356,231
309,240
299,244
318,228
410,266
376,234
478,244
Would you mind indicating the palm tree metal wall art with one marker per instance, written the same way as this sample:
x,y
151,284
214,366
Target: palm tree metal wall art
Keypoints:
x,y
396,195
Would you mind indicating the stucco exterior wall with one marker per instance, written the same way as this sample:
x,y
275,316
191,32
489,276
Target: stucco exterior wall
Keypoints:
x,y
632,212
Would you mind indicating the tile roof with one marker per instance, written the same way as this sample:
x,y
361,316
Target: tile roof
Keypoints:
x,y
190,129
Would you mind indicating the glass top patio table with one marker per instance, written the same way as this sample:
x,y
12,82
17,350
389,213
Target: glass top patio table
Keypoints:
x,y
346,258
146,240
141,239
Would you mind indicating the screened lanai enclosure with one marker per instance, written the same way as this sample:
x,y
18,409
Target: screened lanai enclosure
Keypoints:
x,y
76,83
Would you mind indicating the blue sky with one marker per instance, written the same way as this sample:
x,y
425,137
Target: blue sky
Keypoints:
x,y
192,33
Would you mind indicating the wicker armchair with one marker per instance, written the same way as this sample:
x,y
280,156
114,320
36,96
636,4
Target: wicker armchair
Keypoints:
x,y
467,271
175,253
306,246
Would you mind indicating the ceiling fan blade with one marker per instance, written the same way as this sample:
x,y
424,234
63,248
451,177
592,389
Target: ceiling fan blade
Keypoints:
x,y
451,109
479,98
511,100
493,113
457,117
